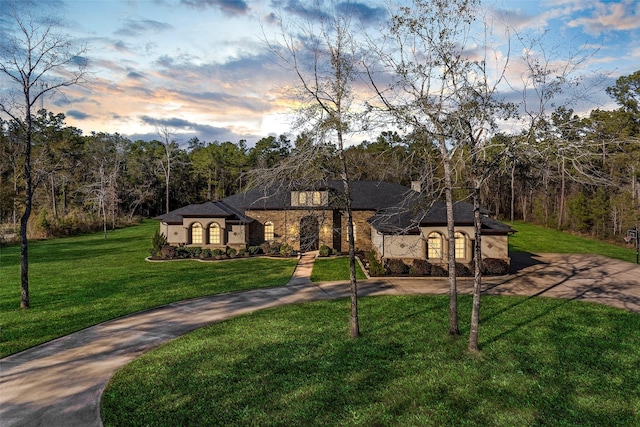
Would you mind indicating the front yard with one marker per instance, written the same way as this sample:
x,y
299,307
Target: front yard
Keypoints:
x,y
543,362
80,281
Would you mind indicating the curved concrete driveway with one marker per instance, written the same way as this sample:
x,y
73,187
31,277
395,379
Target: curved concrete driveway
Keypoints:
x,y
59,383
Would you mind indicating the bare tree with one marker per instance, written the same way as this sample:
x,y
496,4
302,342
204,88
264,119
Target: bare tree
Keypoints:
x,y
168,158
423,56
36,61
445,77
324,57
106,153
551,83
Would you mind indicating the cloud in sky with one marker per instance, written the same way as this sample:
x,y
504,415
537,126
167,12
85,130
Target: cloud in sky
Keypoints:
x,y
609,16
183,130
203,65
362,11
136,28
77,114
229,7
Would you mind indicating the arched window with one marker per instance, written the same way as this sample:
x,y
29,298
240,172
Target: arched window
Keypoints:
x,y
434,246
214,234
302,198
196,233
268,231
461,245
317,199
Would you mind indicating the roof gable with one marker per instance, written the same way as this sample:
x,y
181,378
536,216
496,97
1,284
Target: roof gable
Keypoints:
x,y
216,209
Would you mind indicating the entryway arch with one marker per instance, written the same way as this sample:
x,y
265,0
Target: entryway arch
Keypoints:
x,y
309,233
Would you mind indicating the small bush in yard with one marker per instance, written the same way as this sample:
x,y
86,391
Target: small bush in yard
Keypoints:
x,y
495,266
158,241
397,266
274,248
420,267
286,249
438,271
324,250
255,250
231,252
182,252
195,252
168,252
375,266
462,270
206,253
216,252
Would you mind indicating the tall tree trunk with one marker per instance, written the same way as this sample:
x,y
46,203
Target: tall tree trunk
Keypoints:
x,y
166,183
477,257
53,196
454,329
513,191
24,219
562,191
354,323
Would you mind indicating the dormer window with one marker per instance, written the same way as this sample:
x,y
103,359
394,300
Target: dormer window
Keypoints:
x,y
309,198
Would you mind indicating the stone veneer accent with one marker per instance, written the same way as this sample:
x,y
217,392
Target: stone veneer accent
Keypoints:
x,y
332,226
363,231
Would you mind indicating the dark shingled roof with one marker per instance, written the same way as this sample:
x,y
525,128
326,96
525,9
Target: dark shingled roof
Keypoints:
x,y
365,195
406,220
398,208
218,209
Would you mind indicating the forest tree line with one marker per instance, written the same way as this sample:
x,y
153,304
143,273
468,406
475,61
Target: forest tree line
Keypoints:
x,y
573,173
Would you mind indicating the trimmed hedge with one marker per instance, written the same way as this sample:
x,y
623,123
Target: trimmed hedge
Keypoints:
x,y
420,267
495,266
396,266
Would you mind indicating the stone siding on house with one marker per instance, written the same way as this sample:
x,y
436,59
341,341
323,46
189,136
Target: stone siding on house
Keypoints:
x,y
362,231
287,225
332,227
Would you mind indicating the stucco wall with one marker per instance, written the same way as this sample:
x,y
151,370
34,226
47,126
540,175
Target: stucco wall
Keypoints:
x,y
466,231
406,247
414,246
495,247
230,235
176,234
237,235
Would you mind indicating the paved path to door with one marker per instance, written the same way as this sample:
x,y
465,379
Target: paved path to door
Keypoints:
x,y
59,383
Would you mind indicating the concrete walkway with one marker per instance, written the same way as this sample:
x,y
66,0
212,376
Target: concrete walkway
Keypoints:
x,y
59,383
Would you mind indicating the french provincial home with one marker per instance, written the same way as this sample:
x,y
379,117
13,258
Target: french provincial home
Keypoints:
x,y
394,220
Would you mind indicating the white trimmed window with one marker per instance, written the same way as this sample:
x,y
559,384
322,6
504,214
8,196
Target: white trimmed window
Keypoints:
x,y
434,246
214,234
302,198
196,233
461,245
317,199
268,231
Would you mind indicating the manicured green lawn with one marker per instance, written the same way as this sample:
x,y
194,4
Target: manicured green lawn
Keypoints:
x,y
543,362
536,239
79,281
333,269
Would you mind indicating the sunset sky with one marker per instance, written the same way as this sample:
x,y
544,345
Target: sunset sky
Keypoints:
x,y
202,68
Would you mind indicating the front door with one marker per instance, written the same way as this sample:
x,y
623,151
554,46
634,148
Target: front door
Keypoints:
x,y
309,233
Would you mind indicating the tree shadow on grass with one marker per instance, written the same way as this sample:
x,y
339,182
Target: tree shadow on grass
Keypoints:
x,y
295,368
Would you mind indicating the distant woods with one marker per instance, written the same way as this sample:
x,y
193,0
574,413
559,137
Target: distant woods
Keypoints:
x,y
578,174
